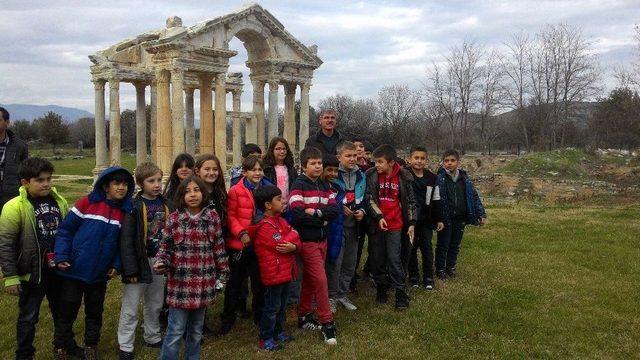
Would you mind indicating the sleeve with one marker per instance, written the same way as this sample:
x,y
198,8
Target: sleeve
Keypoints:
x,y
372,209
167,245
412,204
219,252
293,237
128,238
233,202
10,224
436,205
116,263
296,206
332,209
67,230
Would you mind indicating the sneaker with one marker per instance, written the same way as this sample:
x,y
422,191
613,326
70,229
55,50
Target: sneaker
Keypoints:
x,y
441,274
270,345
307,322
414,282
283,337
451,272
429,284
344,301
126,355
90,353
333,305
157,345
381,296
329,333
402,300
60,354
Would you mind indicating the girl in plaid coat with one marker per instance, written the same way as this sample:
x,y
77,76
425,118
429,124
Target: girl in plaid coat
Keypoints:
x,y
192,253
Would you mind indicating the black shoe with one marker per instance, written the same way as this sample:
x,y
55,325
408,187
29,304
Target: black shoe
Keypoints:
x,y
90,353
429,284
441,274
307,322
414,283
451,272
60,354
402,300
157,345
126,355
329,333
381,296
224,328
75,352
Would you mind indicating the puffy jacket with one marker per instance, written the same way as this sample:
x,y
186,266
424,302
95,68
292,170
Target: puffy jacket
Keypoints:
x,y
88,237
407,198
133,249
15,153
317,195
20,253
475,209
275,267
241,210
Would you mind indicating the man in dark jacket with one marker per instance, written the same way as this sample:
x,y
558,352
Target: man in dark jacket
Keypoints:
x,y
327,138
12,152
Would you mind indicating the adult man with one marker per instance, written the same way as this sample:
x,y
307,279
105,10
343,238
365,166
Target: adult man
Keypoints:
x,y
12,152
327,138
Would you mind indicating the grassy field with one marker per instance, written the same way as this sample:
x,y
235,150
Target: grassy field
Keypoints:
x,y
540,281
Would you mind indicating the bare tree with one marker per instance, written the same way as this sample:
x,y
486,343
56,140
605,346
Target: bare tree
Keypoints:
x,y
398,105
490,98
516,87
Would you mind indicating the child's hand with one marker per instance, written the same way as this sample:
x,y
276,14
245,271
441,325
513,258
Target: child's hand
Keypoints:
x,y
14,290
112,273
440,226
359,215
132,279
64,266
160,267
310,211
483,221
383,224
286,247
245,239
347,211
411,233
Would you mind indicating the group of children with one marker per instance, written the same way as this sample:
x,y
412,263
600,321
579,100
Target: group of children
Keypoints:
x,y
182,246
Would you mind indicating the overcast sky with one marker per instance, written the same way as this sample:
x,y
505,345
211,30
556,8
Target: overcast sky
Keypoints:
x,y
364,44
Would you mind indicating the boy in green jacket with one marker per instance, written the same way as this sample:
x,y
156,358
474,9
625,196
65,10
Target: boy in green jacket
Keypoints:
x,y
28,227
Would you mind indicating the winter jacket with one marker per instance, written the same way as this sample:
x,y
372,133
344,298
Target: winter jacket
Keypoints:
x,y
427,194
336,228
88,237
133,239
317,195
15,153
275,268
360,189
21,258
270,174
475,209
241,210
319,141
193,249
407,199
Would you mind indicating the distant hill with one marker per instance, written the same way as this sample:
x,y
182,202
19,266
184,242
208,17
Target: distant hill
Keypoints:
x,y
581,115
31,112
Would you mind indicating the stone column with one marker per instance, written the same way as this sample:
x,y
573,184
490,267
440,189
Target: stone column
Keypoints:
x,y
164,136
102,157
206,115
304,114
141,124
154,122
177,111
289,131
221,121
237,136
258,128
273,110
114,121
190,132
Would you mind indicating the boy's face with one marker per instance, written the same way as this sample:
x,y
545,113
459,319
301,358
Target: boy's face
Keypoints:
x,y
38,186
367,155
383,165
208,172
275,205
330,173
184,172
313,168
116,190
152,185
254,175
451,163
359,148
348,158
193,196
418,160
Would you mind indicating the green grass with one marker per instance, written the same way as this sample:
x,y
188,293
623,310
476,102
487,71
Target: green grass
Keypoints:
x,y
568,163
538,282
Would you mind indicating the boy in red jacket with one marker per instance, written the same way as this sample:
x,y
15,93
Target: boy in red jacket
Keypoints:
x,y
274,244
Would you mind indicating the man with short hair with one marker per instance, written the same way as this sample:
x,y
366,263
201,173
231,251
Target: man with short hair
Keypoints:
x,y
12,151
327,138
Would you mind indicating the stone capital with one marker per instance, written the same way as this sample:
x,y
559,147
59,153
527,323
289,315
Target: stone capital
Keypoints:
x,y
162,76
140,86
114,84
221,77
290,88
98,84
273,85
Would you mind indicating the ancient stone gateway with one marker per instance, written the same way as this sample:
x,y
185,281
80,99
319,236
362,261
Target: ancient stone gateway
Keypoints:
x,y
178,60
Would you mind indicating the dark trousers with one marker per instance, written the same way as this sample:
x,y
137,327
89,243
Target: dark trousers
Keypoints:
x,y
448,245
29,303
274,311
362,232
424,235
386,259
71,296
241,269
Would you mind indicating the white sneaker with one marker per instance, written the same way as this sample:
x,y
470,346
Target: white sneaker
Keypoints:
x,y
333,305
344,301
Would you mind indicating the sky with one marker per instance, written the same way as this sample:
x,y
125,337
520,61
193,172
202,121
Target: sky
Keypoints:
x,y
365,45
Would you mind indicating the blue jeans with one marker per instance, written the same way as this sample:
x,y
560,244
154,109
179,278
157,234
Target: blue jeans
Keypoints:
x,y
448,246
274,311
185,324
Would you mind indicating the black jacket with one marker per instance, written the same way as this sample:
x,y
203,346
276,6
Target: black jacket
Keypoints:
x,y
133,250
427,196
16,152
270,174
317,141
407,198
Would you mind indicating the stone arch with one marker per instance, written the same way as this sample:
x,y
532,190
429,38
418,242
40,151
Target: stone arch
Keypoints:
x,y
255,37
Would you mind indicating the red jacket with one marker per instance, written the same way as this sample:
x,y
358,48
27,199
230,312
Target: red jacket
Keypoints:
x,y
240,211
275,268
389,196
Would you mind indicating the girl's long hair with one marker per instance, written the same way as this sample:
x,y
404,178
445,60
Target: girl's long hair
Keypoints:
x,y
174,181
219,189
182,190
270,160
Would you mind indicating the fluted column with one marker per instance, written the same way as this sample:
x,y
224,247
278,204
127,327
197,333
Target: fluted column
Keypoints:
x,y
154,122
141,124
102,157
164,136
289,131
258,128
304,114
114,121
273,110
221,121
206,115
237,136
190,133
177,111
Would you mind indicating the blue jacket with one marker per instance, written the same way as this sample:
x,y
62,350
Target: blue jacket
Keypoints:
x,y
88,237
334,239
475,209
